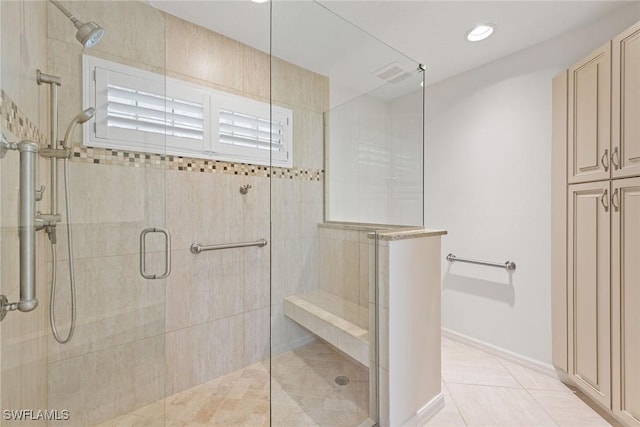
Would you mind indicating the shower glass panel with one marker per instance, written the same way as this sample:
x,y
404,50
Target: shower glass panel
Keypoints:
x,y
114,363
170,86
356,163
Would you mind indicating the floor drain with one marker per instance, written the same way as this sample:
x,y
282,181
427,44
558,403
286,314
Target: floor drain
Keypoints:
x,y
342,380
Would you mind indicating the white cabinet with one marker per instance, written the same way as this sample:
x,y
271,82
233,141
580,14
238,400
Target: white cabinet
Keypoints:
x,y
589,126
625,268
625,106
595,225
589,290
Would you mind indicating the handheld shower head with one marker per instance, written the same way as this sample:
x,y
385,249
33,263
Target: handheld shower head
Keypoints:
x,y
88,34
83,117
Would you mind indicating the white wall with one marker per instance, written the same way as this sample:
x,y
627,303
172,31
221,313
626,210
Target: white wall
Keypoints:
x,y
374,151
487,172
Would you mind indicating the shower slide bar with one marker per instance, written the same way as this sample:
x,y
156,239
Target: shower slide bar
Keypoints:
x,y
509,265
196,248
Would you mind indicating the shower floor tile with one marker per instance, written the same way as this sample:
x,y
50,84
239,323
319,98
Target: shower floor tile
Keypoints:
x,y
303,393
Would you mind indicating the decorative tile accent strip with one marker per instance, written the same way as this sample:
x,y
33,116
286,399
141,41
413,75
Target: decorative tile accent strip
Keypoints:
x,y
106,156
16,121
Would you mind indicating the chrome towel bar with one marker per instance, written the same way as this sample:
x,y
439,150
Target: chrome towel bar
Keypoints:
x,y
196,248
509,265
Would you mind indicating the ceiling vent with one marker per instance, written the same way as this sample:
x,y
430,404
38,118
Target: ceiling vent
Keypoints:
x,y
392,73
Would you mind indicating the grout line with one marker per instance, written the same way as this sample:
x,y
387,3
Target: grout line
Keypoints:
x,y
486,385
501,362
538,404
455,404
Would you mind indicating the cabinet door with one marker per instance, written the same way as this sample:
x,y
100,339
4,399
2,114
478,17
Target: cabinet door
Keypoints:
x,y
625,107
590,117
589,289
625,267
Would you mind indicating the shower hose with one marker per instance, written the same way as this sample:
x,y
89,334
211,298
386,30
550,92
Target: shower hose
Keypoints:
x,y
72,280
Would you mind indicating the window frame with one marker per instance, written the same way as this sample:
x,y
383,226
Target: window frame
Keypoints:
x,y
97,73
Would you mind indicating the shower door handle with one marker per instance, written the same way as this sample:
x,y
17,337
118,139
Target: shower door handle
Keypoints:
x,y
143,253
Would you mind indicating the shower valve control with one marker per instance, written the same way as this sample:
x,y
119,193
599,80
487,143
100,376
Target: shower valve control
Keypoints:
x,y
46,220
39,193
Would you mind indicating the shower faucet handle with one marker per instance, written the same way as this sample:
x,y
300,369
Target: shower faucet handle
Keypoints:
x,y
40,193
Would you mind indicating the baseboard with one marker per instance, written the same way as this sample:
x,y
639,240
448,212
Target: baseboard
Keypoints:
x,y
502,353
427,412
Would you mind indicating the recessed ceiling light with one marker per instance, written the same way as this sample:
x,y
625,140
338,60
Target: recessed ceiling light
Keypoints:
x,y
259,1
480,32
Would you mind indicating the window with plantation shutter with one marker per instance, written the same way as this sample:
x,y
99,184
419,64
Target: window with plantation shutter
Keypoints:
x,y
139,110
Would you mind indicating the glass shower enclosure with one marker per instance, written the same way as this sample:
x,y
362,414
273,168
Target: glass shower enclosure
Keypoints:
x,y
204,325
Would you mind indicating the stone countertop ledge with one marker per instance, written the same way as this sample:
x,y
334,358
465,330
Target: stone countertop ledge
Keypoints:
x,y
407,233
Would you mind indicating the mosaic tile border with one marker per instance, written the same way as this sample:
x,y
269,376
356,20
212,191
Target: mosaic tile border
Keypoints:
x,y
106,156
14,120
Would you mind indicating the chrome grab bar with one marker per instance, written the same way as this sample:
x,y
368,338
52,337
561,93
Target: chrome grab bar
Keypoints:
x,y
196,248
27,227
509,265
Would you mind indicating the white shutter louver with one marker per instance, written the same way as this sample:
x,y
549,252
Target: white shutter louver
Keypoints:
x,y
245,130
134,109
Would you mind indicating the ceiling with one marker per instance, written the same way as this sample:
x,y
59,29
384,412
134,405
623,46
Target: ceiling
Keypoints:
x,y
321,36
433,32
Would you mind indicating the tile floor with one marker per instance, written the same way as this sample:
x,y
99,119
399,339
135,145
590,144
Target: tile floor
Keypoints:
x,y
479,390
303,390
484,390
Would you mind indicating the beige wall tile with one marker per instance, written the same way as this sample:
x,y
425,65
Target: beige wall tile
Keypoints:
x,y
256,270
64,59
101,385
24,350
115,305
23,52
203,352
110,206
200,53
257,73
308,139
204,208
256,336
204,287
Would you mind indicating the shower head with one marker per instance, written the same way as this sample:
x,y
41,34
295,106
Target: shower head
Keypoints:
x,y
85,115
88,34
79,119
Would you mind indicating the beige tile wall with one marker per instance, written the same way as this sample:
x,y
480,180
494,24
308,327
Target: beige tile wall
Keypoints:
x,y
344,263
211,315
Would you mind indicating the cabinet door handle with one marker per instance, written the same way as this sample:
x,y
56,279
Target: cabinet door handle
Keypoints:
x,y
615,159
604,197
615,200
605,160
